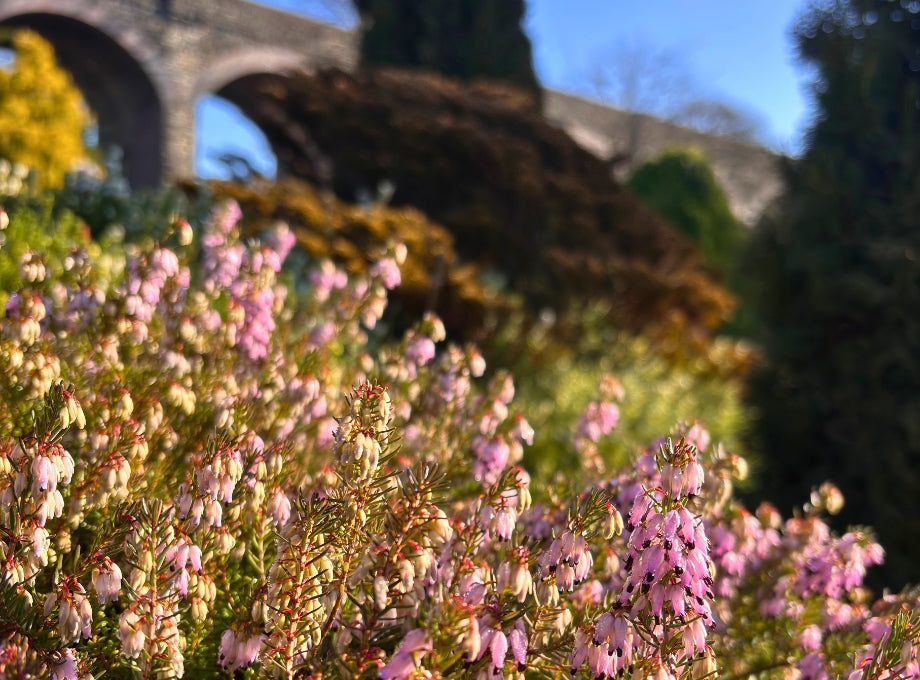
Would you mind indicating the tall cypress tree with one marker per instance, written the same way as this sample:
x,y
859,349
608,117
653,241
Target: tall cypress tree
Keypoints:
x,y
839,271
465,39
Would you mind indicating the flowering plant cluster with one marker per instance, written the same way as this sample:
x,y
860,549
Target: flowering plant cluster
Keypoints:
x,y
204,474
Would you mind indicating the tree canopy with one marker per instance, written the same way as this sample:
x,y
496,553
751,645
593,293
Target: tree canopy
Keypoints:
x,y
42,114
470,39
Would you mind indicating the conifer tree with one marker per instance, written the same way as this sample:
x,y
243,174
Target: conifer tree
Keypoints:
x,y
42,114
839,270
468,39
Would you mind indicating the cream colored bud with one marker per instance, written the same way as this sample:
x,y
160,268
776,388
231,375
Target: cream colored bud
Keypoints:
x,y
381,588
137,579
705,667
613,525
199,609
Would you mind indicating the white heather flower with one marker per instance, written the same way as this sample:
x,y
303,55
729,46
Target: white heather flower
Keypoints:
x,y
44,475
75,614
107,581
381,588
31,267
279,507
71,412
40,544
131,634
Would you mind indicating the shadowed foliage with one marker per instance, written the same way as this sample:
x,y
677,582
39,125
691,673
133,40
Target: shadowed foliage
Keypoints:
x,y
519,196
681,187
470,39
840,280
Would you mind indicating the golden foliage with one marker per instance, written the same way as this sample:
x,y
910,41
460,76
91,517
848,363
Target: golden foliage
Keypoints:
x,y
432,276
42,113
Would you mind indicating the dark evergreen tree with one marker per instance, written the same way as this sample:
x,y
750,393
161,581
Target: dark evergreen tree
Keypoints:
x,y
839,272
464,39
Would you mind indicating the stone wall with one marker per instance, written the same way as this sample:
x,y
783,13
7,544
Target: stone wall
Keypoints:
x,y
749,174
183,49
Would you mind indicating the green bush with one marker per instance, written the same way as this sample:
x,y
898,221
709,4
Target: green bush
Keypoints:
x,y
681,187
556,382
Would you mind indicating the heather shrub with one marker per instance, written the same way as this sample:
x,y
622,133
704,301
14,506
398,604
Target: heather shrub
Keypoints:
x,y
205,473
657,392
557,365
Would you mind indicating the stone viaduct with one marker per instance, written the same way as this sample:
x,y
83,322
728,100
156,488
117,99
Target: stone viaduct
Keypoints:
x,y
142,65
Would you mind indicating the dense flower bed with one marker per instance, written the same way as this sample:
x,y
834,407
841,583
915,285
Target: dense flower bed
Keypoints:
x,y
206,473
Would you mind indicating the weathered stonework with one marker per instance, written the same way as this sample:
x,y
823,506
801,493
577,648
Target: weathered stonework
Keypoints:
x,y
749,174
143,64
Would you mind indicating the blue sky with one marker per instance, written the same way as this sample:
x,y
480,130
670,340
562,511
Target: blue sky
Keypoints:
x,y
737,51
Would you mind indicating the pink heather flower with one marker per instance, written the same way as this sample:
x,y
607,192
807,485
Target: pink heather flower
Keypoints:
x,y
250,651
579,650
406,659
498,649
75,614
229,648
514,574
522,430
66,667
812,668
698,436
472,640
400,666
387,270
237,653
40,543
279,507
420,351
281,240
326,279
50,507
811,638
517,638
322,334
876,629
44,475
499,521
491,458
477,364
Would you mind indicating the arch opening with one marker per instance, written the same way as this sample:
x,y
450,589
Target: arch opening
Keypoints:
x,y
116,88
228,144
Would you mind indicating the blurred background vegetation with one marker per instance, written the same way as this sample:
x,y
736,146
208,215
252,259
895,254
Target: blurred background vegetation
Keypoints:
x,y
796,342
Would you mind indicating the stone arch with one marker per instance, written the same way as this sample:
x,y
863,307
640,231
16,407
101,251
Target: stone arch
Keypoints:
x,y
223,76
114,69
228,68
